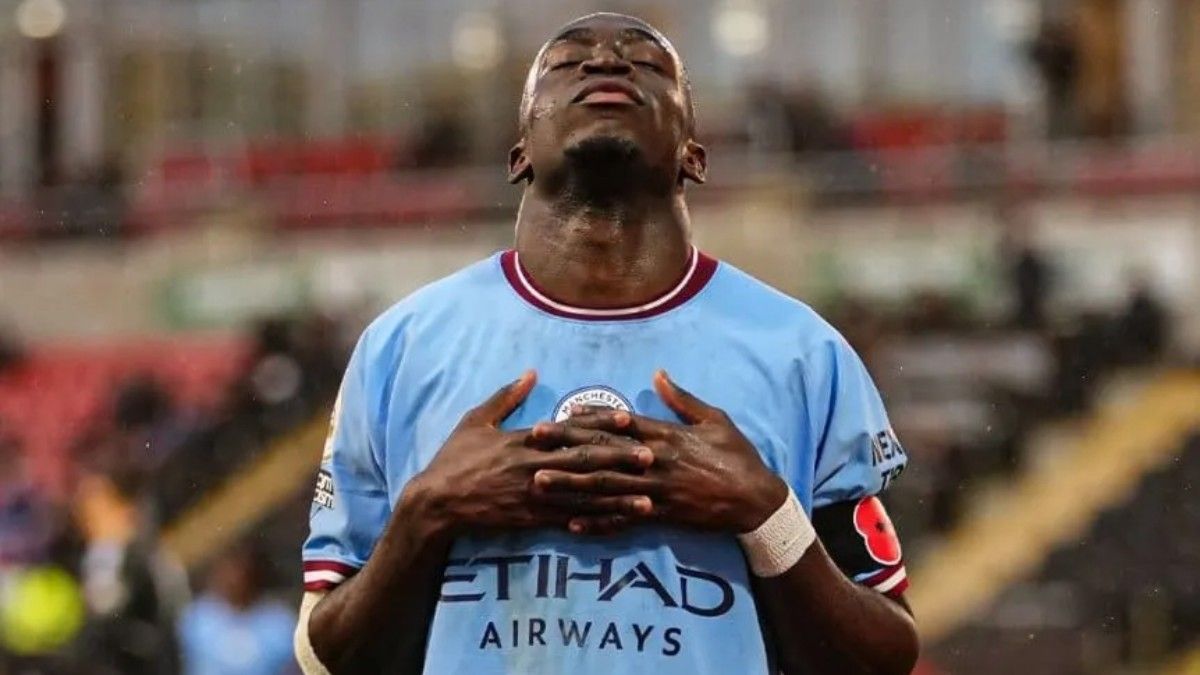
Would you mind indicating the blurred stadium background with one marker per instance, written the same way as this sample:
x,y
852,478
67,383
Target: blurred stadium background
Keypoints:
x,y
203,201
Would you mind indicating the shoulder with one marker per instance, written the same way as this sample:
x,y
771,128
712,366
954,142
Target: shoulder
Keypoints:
x,y
760,306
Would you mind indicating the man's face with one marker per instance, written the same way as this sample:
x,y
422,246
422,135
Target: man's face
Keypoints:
x,y
608,82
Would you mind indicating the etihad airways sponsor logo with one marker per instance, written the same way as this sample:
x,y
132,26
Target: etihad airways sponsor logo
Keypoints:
x,y
581,634
500,578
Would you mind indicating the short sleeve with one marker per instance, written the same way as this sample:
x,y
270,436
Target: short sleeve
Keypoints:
x,y
350,503
856,451
857,456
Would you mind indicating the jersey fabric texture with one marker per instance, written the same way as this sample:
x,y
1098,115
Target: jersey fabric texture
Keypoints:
x,y
654,599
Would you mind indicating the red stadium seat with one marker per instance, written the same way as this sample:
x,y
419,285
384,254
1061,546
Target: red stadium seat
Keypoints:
x,y
58,392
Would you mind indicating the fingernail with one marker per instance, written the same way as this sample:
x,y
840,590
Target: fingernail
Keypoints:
x,y
576,409
643,504
576,527
645,456
622,418
542,478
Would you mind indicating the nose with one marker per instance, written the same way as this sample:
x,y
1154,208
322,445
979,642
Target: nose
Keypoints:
x,y
606,61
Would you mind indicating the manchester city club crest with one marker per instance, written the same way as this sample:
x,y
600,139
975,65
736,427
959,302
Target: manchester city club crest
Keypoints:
x,y
595,395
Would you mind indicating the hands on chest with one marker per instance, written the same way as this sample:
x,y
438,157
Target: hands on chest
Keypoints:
x,y
599,471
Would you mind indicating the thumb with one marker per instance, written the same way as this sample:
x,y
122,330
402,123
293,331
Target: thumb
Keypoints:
x,y
500,405
687,406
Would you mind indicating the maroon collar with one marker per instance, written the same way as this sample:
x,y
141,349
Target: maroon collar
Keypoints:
x,y
700,269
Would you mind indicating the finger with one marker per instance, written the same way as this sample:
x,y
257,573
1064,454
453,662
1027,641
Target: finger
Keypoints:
x,y
587,458
578,504
597,417
599,526
687,406
557,435
624,423
580,409
501,404
597,483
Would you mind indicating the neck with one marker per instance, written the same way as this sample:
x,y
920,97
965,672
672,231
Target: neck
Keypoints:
x,y
619,255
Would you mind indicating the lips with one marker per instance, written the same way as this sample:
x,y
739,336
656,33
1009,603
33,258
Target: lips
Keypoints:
x,y
608,92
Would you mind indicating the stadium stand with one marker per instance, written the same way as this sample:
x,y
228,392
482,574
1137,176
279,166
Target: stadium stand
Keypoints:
x,y
188,410
1104,531
249,497
53,391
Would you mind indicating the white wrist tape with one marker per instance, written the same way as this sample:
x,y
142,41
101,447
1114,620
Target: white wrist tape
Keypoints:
x,y
775,546
305,656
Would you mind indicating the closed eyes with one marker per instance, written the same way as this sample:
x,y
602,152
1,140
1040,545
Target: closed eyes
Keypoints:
x,y
651,65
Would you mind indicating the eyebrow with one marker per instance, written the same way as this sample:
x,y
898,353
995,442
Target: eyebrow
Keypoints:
x,y
589,35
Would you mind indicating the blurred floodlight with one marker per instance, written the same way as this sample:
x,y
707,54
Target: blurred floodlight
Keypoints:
x,y
1015,20
40,19
740,27
477,43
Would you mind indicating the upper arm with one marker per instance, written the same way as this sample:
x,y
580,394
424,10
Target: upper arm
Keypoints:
x,y
350,505
856,456
855,451
861,540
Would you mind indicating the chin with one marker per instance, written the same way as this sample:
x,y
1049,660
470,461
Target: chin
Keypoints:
x,y
605,164
603,148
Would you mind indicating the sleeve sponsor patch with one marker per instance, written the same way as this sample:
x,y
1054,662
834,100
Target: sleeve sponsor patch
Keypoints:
x,y
862,541
323,496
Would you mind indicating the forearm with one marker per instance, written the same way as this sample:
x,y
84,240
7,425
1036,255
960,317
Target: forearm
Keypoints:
x,y
377,621
825,623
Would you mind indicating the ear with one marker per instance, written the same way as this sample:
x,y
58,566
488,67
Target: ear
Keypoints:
x,y
519,167
695,162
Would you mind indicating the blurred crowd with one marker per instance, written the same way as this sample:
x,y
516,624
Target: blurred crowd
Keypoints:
x,y
1068,357
85,586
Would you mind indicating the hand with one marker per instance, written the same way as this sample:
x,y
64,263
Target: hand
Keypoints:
x,y
482,478
704,474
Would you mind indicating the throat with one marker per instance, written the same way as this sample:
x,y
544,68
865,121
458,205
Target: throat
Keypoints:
x,y
585,283
594,246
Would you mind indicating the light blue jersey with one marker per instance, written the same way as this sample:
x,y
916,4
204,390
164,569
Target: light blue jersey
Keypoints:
x,y
653,600
217,639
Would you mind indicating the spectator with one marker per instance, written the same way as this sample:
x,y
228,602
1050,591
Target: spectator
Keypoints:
x,y
233,629
26,516
10,350
813,126
443,140
1029,275
148,427
132,590
1143,325
1054,53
